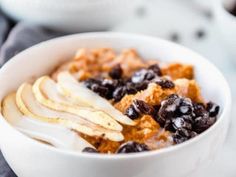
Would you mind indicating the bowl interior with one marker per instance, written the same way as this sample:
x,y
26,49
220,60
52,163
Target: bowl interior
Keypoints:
x,y
43,58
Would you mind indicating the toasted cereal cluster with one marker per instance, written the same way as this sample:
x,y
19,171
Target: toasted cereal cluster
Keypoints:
x,y
165,103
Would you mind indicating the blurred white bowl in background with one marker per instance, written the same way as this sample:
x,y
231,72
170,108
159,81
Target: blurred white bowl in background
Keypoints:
x,y
205,4
71,15
226,23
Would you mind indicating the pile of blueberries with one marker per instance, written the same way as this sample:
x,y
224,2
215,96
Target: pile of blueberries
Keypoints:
x,y
118,86
179,115
186,118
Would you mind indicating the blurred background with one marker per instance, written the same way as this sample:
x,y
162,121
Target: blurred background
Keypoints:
x,y
206,26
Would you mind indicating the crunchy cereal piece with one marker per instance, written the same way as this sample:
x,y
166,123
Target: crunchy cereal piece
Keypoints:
x,y
159,140
125,102
94,62
145,127
188,88
177,71
153,95
129,61
107,146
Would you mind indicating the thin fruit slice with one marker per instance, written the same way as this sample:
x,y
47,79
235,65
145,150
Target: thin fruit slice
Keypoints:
x,y
70,87
46,92
29,106
55,135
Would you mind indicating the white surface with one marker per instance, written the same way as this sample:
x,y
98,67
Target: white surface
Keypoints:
x,y
70,15
31,156
162,18
226,23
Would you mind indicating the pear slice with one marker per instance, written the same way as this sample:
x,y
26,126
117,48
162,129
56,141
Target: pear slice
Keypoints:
x,y
29,106
70,87
56,135
46,92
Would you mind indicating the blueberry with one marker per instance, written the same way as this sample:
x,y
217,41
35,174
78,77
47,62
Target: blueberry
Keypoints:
x,y
188,118
142,107
97,86
169,107
119,93
116,72
185,106
184,132
131,147
199,109
90,82
132,113
142,75
193,134
180,122
156,117
156,69
141,86
202,123
179,136
169,125
110,84
89,150
102,91
182,135
159,120
213,109
130,87
165,84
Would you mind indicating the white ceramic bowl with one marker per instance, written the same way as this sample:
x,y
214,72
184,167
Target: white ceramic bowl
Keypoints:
x,y
30,158
226,23
71,15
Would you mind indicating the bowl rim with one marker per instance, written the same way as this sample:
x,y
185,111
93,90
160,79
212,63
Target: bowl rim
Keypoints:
x,y
127,36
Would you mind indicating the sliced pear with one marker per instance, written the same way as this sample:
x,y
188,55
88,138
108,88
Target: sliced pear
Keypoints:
x,y
70,87
46,92
56,135
29,106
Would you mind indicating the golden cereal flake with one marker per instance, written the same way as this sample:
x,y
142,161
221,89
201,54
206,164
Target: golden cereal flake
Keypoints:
x,y
177,70
153,95
146,129
93,62
125,102
188,88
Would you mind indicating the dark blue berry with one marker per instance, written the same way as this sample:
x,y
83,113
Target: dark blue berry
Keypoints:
x,y
119,93
143,75
156,69
213,109
131,147
165,84
116,72
142,107
132,113
89,150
